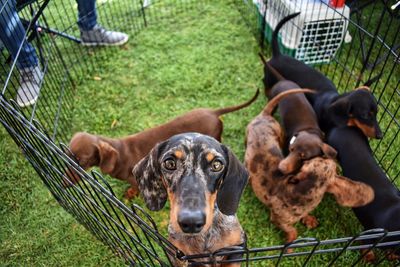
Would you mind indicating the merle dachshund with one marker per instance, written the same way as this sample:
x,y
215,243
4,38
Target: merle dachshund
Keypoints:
x,y
203,181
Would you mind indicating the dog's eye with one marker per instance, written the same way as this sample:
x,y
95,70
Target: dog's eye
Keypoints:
x,y
217,166
170,164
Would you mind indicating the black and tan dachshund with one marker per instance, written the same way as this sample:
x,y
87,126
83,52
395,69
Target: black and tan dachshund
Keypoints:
x,y
355,108
358,163
203,181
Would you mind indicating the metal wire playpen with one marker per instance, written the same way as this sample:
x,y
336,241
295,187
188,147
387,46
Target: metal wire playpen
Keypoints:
x,y
129,231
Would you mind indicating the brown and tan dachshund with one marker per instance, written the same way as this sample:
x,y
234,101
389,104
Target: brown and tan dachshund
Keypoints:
x,y
303,137
292,197
117,156
203,181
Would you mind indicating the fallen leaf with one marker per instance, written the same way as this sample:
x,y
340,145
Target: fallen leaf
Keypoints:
x,y
114,123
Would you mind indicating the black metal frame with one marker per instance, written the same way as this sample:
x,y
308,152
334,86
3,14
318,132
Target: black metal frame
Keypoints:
x,y
130,231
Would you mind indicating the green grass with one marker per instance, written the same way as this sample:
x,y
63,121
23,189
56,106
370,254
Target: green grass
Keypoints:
x,y
201,58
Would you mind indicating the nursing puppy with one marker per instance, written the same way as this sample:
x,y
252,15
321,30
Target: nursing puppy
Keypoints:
x,y
304,139
355,108
117,156
292,197
203,181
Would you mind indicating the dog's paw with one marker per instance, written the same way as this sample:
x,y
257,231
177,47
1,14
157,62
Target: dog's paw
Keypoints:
x,y
291,235
131,193
310,221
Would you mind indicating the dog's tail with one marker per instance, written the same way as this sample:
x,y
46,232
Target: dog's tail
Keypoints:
x,y
275,46
270,107
271,69
222,111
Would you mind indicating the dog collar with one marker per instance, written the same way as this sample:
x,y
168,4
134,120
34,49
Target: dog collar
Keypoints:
x,y
292,140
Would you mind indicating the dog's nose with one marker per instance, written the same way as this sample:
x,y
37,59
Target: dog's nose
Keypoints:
x,y
378,133
191,221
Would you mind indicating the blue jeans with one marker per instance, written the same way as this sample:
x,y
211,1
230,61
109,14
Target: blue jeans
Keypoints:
x,y
12,32
87,15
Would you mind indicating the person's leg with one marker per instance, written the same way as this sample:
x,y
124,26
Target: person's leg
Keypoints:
x,y
12,35
92,34
87,15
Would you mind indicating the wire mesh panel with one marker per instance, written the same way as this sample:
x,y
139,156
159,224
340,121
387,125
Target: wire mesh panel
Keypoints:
x,y
133,235
57,86
130,232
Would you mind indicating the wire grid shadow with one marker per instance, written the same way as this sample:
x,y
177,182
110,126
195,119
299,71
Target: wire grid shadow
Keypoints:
x,y
130,232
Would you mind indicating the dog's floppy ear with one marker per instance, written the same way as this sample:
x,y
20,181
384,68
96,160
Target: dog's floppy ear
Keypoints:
x,y
350,193
234,181
147,173
340,110
328,151
108,157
